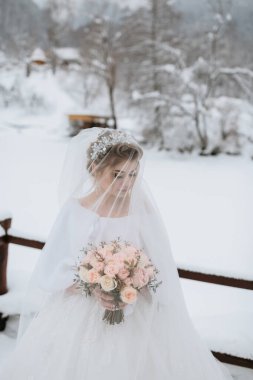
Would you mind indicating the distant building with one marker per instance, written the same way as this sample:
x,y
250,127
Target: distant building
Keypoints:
x,y
65,56
37,59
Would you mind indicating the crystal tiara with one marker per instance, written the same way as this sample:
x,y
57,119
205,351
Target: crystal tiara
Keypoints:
x,y
106,140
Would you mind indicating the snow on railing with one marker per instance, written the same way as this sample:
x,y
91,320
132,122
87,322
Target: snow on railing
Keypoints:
x,y
215,271
24,235
5,215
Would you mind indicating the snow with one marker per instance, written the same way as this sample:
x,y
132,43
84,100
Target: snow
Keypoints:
x,y
222,315
5,214
224,339
11,302
237,70
168,68
214,270
22,234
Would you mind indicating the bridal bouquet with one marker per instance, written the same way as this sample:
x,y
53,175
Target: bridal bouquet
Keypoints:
x,y
118,268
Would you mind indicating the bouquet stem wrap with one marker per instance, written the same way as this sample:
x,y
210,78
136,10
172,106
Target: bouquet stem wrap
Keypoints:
x,y
113,317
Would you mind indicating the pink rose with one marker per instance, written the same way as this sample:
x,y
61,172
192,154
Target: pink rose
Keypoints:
x,y
131,259
106,251
128,294
111,269
140,278
123,273
93,276
119,257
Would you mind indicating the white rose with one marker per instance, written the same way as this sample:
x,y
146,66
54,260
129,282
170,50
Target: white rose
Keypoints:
x,y
83,273
107,283
143,261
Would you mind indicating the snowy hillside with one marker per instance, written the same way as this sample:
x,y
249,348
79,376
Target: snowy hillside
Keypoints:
x,y
40,104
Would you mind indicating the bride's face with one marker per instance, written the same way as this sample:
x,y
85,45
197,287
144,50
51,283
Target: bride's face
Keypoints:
x,y
118,179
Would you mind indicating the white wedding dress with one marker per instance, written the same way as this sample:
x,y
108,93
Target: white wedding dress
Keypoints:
x,y
68,340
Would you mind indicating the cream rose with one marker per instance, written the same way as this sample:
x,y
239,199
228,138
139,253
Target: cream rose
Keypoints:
x,y
83,273
128,294
107,283
143,261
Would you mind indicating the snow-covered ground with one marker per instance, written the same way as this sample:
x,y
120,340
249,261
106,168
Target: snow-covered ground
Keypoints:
x,y
205,203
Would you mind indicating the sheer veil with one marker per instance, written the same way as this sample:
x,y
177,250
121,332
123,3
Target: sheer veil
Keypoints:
x,y
103,197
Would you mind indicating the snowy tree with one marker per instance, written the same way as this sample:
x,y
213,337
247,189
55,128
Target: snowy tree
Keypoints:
x,y
20,27
149,40
221,11
60,15
101,55
207,79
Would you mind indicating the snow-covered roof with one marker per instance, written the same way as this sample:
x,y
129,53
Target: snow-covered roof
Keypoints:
x,y
38,55
67,53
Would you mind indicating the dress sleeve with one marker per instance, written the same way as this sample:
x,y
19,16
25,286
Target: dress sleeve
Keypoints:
x,y
56,266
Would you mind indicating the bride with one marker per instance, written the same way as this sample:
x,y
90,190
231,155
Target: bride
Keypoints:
x,y
64,332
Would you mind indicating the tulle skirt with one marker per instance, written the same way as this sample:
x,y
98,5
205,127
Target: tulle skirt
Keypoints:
x,y
68,340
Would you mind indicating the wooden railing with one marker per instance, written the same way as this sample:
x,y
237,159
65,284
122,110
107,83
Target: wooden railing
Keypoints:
x,y
7,238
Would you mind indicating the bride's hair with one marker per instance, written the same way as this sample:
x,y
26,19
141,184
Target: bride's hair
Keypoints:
x,y
106,155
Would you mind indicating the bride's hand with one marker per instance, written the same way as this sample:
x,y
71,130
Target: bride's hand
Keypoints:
x,y
106,300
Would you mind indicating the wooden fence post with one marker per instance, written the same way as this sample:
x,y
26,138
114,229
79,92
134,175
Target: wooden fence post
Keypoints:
x,y
4,245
